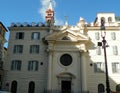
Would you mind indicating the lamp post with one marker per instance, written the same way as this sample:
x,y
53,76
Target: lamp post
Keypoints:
x,y
104,45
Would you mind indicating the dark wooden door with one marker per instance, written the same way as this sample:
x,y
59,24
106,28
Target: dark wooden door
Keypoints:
x,y
65,86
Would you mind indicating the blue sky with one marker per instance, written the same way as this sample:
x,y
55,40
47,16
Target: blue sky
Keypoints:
x,y
29,10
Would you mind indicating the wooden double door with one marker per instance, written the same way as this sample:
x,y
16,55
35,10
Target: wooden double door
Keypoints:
x,y
65,86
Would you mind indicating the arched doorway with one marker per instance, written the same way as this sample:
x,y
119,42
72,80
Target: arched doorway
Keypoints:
x,y
14,87
31,88
118,88
101,88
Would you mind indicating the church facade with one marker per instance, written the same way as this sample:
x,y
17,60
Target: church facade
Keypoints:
x,y
62,59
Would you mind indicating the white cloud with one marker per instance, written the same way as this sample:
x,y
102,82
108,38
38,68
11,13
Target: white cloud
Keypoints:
x,y
58,22
42,11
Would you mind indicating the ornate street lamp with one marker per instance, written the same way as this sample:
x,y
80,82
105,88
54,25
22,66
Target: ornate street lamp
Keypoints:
x,y
104,45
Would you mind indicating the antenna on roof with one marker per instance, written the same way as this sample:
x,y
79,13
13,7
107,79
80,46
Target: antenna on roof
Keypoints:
x,y
66,17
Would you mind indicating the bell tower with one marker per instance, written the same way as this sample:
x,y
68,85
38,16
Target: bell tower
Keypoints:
x,y
50,15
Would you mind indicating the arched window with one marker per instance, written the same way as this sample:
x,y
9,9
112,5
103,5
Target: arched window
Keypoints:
x,y
118,88
14,87
103,18
31,88
101,88
109,19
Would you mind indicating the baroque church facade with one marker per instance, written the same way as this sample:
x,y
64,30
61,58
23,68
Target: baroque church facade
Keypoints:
x,y
62,59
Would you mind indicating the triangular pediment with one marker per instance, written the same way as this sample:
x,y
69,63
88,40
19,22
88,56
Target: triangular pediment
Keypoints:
x,y
67,35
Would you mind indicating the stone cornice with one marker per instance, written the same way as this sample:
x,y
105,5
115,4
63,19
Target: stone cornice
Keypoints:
x,y
107,28
27,28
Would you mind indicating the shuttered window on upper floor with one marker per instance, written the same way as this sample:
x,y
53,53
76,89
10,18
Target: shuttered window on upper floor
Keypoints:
x,y
98,50
18,49
34,49
33,65
35,36
115,50
99,67
115,67
16,65
97,36
20,35
113,35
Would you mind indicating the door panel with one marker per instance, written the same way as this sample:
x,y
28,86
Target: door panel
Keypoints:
x,y
66,86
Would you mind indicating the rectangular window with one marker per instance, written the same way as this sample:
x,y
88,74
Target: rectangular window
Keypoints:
x,y
98,51
18,49
20,35
97,36
115,50
113,36
99,67
33,65
115,67
34,49
16,65
35,36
